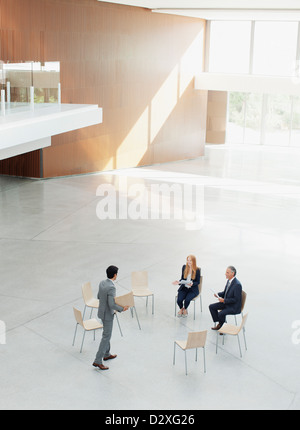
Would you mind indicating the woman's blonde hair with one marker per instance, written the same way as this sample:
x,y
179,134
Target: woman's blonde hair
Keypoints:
x,y
194,267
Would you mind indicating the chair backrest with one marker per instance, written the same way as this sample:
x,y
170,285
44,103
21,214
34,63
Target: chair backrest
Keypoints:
x,y
244,296
139,279
196,339
200,284
199,287
78,316
125,300
87,292
243,322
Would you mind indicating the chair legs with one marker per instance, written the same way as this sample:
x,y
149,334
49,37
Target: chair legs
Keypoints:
x,y
174,353
204,361
200,301
85,310
82,337
244,330
137,317
118,324
244,338
83,340
84,331
239,345
223,343
75,334
185,359
152,303
131,311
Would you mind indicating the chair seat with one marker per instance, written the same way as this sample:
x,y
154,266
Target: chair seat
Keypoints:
x,y
233,330
181,343
92,324
93,303
142,292
195,340
87,325
229,329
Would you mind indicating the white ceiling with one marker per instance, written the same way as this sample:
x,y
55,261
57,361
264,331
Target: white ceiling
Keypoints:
x,y
222,9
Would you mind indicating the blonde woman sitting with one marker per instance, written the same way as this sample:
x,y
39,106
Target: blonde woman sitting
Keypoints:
x,y
189,285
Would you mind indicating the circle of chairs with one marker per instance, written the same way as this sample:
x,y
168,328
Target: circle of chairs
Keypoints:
x,y
140,288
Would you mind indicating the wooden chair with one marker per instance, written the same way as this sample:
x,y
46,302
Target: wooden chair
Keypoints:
x,y
128,300
244,296
139,286
87,325
89,300
195,340
232,330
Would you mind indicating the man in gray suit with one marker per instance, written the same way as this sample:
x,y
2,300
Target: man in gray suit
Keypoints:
x,y
106,312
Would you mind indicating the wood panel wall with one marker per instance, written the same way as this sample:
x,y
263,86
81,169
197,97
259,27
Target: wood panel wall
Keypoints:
x,y
27,165
216,116
137,65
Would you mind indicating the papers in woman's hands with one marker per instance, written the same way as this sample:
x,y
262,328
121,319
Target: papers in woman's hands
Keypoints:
x,y
186,283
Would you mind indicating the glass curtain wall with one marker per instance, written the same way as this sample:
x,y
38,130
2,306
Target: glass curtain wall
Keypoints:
x,y
259,48
229,53
295,127
263,119
17,78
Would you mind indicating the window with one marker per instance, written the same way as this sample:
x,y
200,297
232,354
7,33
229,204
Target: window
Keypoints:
x,y
253,119
275,46
295,126
269,48
244,118
273,51
268,119
278,120
229,50
236,117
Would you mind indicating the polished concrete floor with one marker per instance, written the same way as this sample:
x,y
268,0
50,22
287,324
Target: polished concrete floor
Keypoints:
x,y
52,240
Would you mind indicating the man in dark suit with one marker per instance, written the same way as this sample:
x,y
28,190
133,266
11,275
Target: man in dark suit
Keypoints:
x,y
229,300
106,312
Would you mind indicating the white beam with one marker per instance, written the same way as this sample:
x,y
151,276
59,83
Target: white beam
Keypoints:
x,y
248,83
22,129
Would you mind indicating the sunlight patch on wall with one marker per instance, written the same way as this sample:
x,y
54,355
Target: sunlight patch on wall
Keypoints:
x,y
163,103
110,164
191,63
144,132
135,144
